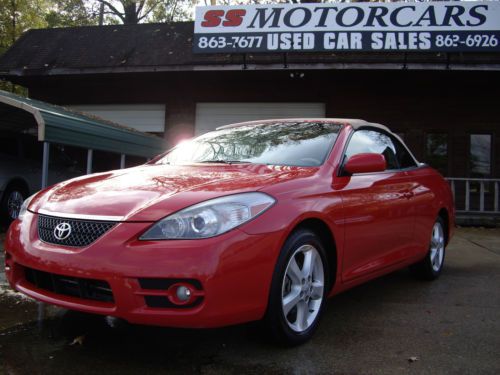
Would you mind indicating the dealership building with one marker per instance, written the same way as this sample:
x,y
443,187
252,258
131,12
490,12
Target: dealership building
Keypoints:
x,y
444,104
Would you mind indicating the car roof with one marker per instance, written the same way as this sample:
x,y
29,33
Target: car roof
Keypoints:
x,y
355,123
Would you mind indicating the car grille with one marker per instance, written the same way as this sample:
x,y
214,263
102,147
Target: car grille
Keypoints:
x,y
96,290
83,232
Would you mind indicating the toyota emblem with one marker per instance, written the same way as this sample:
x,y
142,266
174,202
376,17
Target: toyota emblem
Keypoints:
x,y
62,231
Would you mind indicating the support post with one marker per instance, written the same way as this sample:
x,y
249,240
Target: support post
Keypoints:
x,y
467,195
90,154
45,164
481,196
122,161
496,197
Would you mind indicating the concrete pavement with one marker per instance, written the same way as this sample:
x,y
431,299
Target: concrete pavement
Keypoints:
x,y
393,325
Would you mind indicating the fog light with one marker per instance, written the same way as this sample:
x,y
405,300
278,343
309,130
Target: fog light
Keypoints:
x,y
183,293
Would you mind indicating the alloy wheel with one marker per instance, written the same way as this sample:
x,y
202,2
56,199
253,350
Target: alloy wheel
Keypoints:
x,y
437,246
303,288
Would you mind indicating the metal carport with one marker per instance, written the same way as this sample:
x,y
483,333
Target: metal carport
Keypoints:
x,y
60,125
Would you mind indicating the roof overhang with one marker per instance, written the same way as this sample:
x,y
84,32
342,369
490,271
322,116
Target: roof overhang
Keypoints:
x,y
60,125
12,74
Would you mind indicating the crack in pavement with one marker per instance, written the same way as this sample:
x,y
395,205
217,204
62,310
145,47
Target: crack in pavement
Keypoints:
x,y
480,245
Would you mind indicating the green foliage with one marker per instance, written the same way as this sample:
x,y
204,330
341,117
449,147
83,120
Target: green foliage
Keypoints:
x,y
16,89
66,13
17,16
171,10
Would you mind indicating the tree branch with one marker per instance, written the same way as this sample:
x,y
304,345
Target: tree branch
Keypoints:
x,y
141,5
148,12
172,11
113,9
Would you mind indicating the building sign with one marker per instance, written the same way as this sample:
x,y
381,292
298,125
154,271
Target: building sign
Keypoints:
x,y
402,26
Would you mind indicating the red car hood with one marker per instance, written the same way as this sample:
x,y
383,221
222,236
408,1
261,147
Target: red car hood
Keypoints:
x,y
150,192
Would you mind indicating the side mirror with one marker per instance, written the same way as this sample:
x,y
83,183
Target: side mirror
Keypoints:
x,y
365,163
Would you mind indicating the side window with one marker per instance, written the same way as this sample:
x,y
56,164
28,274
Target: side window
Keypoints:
x,y
404,158
372,141
480,155
436,151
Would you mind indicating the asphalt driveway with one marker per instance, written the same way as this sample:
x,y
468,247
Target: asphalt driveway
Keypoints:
x,y
391,325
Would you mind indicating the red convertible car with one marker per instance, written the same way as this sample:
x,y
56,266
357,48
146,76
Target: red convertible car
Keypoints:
x,y
255,221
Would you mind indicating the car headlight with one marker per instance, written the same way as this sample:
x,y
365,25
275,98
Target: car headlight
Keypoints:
x,y
24,207
210,218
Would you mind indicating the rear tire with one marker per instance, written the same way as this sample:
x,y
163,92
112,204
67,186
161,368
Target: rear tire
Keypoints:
x,y
12,200
431,266
298,290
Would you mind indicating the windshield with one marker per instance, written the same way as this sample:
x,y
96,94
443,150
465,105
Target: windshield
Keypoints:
x,y
277,143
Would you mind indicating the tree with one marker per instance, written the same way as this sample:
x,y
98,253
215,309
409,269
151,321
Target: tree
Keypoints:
x,y
17,16
64,13
172,10
136,11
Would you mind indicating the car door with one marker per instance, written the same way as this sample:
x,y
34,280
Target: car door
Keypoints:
x,y
379,218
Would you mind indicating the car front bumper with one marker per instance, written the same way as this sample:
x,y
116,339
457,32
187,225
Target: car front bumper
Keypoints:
x,y
231,274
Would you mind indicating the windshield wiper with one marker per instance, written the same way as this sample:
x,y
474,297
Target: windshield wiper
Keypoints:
x,y
220,161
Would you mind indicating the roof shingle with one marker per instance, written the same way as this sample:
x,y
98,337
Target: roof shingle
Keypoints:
x,y
104,46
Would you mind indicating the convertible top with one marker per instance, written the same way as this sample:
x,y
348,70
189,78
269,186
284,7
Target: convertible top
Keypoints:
x,y
355,123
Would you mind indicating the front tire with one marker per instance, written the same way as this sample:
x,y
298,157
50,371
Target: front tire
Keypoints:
x,y
299,288
431,266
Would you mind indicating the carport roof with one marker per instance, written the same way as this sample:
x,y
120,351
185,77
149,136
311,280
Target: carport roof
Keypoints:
x,y
60,125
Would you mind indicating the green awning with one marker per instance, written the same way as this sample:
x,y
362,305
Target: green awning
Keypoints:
x,y
60,125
